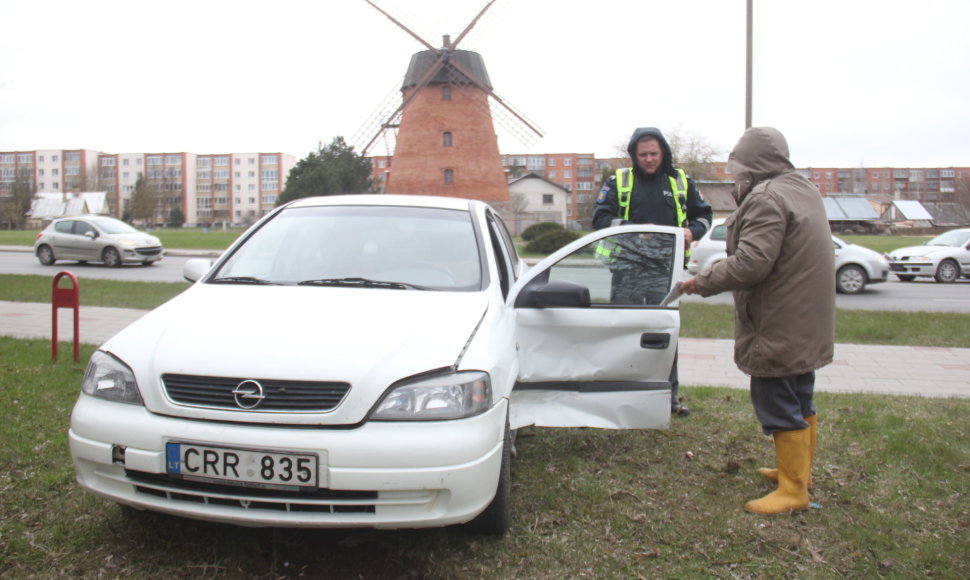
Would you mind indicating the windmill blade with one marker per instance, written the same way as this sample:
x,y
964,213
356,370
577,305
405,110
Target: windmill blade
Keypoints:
x,y
402,27
471,24
394,117
382,118
491,92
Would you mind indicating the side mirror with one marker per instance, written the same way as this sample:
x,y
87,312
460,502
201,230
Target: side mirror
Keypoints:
x,y
555,294
90,234
195,268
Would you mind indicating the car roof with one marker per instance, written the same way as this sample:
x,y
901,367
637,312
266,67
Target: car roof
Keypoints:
x,y
385,199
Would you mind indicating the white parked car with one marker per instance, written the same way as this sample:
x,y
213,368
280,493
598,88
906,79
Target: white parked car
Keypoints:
x,y
946,257
855,266
363,361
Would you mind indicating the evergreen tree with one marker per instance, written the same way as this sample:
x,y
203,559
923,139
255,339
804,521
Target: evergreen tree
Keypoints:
x,y
332,170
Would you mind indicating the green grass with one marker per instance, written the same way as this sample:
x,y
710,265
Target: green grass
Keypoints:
x,y
892,476
949,329
885,244
92,292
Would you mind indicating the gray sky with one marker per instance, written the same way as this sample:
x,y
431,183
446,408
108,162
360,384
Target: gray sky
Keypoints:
x,y
849,82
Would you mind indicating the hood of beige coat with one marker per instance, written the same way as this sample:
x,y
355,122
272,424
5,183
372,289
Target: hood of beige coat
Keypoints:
x,y
761,153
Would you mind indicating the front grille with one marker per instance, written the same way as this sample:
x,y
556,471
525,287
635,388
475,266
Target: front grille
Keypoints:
x,y
280,395
154,251
320,501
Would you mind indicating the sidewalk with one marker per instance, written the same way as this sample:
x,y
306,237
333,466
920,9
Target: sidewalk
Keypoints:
x,y
894,370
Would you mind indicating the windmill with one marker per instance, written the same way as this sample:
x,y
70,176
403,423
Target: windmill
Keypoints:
x,y
439,126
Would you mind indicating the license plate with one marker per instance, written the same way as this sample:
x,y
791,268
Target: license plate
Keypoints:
x,y
246,467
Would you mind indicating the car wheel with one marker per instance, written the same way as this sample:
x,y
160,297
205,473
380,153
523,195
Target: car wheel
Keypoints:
x,y
850,279
45,255
905,278
111,257
496,517
947,272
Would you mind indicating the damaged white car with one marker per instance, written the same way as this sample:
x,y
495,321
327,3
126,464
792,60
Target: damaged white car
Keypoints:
x,y
363,360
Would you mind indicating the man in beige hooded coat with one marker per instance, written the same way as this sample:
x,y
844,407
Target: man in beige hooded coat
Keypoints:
x,y
780,266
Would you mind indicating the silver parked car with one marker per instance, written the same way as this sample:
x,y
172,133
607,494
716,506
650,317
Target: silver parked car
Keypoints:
x,y
855,266
95,238
946,257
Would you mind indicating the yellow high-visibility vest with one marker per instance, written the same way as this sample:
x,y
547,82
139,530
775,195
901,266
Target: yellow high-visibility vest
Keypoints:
x,y
624,190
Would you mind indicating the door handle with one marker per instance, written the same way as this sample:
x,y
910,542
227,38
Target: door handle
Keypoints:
x,y
655,340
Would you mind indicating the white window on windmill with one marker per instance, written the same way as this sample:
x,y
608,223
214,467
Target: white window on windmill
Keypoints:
x,y
449,176
446,139
446,93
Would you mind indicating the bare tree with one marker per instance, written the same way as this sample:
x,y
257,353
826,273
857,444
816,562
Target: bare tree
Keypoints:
x,y
144,203
16,205
693,154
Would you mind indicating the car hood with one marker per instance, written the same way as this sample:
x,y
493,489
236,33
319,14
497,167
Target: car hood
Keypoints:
x,y
922,251
369,338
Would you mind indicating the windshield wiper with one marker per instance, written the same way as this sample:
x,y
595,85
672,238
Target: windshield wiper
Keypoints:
x,y
361,283
242,280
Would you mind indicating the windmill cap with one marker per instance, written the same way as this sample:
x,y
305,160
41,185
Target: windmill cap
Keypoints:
x,y
466,59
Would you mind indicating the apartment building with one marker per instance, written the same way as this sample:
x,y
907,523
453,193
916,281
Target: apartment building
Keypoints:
x,y
923,184
232,188
55,170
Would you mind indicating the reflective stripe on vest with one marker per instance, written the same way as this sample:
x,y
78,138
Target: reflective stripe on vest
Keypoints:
x,y
624,190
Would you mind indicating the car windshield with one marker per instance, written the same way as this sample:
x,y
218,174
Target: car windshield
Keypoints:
x,y
380,247
113,226
954,239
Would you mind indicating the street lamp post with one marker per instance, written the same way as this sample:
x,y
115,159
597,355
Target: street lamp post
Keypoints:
x,y
748,59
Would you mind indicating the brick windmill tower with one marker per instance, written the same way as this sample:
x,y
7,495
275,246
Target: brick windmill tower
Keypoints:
x,y
441,127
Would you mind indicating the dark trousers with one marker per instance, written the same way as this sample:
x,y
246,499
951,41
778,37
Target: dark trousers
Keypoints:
x,y
782,403
674,382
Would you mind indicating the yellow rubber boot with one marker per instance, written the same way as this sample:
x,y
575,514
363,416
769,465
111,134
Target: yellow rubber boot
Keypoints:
x,y
793,460
772,472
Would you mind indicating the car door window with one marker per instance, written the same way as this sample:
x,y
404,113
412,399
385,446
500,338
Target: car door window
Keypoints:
x,y
82,228
632,269
64,227
719,233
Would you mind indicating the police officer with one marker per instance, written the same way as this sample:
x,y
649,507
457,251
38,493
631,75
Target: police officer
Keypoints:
x,y
653,191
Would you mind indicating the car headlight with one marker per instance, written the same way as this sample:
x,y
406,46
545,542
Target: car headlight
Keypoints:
x,y
109,378
450,396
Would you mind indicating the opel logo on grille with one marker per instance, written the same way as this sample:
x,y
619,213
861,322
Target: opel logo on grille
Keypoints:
x,y
248,394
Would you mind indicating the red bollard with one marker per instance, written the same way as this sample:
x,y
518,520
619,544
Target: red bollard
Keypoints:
x,y
66,298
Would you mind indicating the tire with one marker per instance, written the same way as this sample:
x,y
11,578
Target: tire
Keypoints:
x,y
850,279
905,278
497,516
45,255
947,272
111,257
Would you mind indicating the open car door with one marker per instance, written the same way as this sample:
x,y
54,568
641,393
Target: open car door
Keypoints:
x,y
597,327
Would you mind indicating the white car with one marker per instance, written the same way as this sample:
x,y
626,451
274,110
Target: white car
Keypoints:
x,y
855,266
946,257
363,361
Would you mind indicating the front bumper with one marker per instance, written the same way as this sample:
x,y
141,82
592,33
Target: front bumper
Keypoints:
x,y
380,475
913,269
144,255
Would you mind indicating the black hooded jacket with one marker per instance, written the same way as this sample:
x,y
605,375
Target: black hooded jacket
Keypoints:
x,y
651,201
